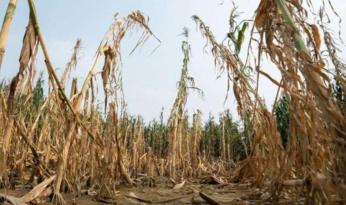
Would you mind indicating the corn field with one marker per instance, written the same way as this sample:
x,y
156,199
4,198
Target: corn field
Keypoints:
x,y
60,143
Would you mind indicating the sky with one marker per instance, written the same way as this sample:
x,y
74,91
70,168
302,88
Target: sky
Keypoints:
x,y
150,79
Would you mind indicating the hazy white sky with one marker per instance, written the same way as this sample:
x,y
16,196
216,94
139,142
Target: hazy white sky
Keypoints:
x,y
150,81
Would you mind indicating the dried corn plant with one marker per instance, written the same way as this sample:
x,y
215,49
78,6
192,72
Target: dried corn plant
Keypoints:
x,y
196,133
53,134
111,44
175,123
266,148
27,58
311,154
112,81
316,122
72,63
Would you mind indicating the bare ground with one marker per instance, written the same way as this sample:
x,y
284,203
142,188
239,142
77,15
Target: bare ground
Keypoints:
x,y
188,193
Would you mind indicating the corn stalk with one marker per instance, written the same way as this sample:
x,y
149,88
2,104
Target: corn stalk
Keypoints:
x,y
5,29
176,118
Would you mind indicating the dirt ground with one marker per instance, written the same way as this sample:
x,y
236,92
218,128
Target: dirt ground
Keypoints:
x,y
189,193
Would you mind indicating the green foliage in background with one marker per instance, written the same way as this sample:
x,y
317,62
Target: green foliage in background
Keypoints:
x,y
283,118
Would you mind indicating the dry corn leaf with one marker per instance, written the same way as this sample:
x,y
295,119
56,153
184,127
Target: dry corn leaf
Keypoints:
x,y
180,185
29,43
316,36
261,15
12,200
208,199
38,190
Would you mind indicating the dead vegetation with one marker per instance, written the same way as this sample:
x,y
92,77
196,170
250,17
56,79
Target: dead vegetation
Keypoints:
x,y
54,144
